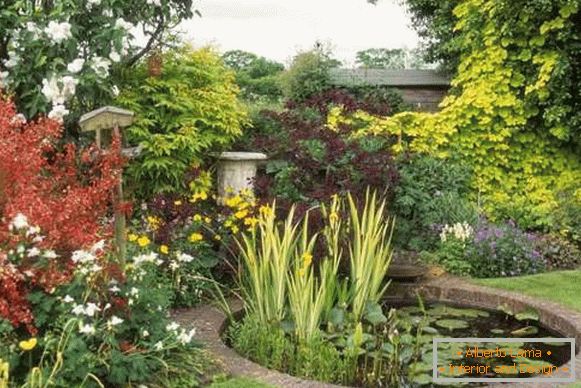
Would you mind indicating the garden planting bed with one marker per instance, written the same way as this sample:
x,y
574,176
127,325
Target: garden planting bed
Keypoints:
x,y
210,323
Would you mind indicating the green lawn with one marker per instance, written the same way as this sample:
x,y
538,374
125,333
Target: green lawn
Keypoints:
x,y
563,287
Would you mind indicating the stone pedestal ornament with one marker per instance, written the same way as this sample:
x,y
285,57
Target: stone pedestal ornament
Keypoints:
x,y
236,171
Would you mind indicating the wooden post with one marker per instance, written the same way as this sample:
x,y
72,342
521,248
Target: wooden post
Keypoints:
x,y
111,118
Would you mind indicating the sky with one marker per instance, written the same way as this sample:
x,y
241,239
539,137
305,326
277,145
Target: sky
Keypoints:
x,y
277,29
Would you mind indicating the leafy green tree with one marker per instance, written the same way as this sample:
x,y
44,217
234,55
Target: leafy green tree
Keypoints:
x,y
308,74
256,76
57,56
186,112
383,58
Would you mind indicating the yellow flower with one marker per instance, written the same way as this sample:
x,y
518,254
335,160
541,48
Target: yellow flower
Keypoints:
x,y
164,249
235,229
233,201
177,203
153,222
132,237
241,214
217,237
143,241
28,345
228,223
199,195
195,237
265,210
197,218
307,259
207,220
250,221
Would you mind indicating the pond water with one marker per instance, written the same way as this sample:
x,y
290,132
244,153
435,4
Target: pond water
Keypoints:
x,y
444,320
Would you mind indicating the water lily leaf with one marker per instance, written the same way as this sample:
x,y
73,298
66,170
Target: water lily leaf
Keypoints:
x,y
452,324
421,366
430,330
497,331
528,330
505,309
527,315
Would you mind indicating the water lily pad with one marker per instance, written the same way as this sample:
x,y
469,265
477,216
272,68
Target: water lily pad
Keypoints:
x,y
452,324
497,331
430,330
527,315
505,309
528,330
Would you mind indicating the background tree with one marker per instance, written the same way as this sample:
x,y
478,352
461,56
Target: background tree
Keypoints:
x,y
308,74
383,58
258,77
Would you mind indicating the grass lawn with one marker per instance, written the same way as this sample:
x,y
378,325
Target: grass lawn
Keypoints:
x,y
563,287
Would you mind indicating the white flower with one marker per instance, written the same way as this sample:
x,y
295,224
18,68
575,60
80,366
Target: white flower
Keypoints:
x,y
145,334
98,247
31,27
82,257
87,329
91,309
12,60
50,254
58,112
146,258
78,309
184,257
108,13
33,230
92,3
18,222
114,56
68,299
114,321
114,289
101,66
33,252
134,291
52,92
186,337
174,265
76,65
38,239
3,76
158,345
107,307
115,90
58,32
172,326
16,120
157,3
69,86
124,25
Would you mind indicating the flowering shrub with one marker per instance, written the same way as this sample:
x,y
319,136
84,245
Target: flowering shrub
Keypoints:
x,y
192,237
64,193
58,56
101,323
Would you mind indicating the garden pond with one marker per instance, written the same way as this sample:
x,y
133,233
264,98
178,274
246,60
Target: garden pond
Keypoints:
x,y
394,345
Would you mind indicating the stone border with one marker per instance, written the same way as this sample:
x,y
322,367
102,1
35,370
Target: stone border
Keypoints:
x,y
210,323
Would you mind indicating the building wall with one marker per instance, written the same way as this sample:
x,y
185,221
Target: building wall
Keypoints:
x,y
423,98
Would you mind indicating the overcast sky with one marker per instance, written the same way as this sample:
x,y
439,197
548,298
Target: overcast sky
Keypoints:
x,y
277,29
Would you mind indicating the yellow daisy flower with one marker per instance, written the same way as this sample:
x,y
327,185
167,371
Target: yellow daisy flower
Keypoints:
x,y
143,241
28,345
195,237
164,249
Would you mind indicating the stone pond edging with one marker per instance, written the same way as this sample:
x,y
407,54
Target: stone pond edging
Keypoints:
x,y
210,323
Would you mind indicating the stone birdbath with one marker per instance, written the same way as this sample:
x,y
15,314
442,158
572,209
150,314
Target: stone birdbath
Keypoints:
x,y
236,171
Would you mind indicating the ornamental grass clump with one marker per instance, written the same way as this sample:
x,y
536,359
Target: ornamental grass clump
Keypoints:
x,y
370,253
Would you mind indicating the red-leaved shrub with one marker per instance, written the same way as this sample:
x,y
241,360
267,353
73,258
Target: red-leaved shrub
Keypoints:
x,y
66,192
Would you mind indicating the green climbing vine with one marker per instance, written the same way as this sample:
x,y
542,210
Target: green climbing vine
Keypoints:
x,y
510,115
